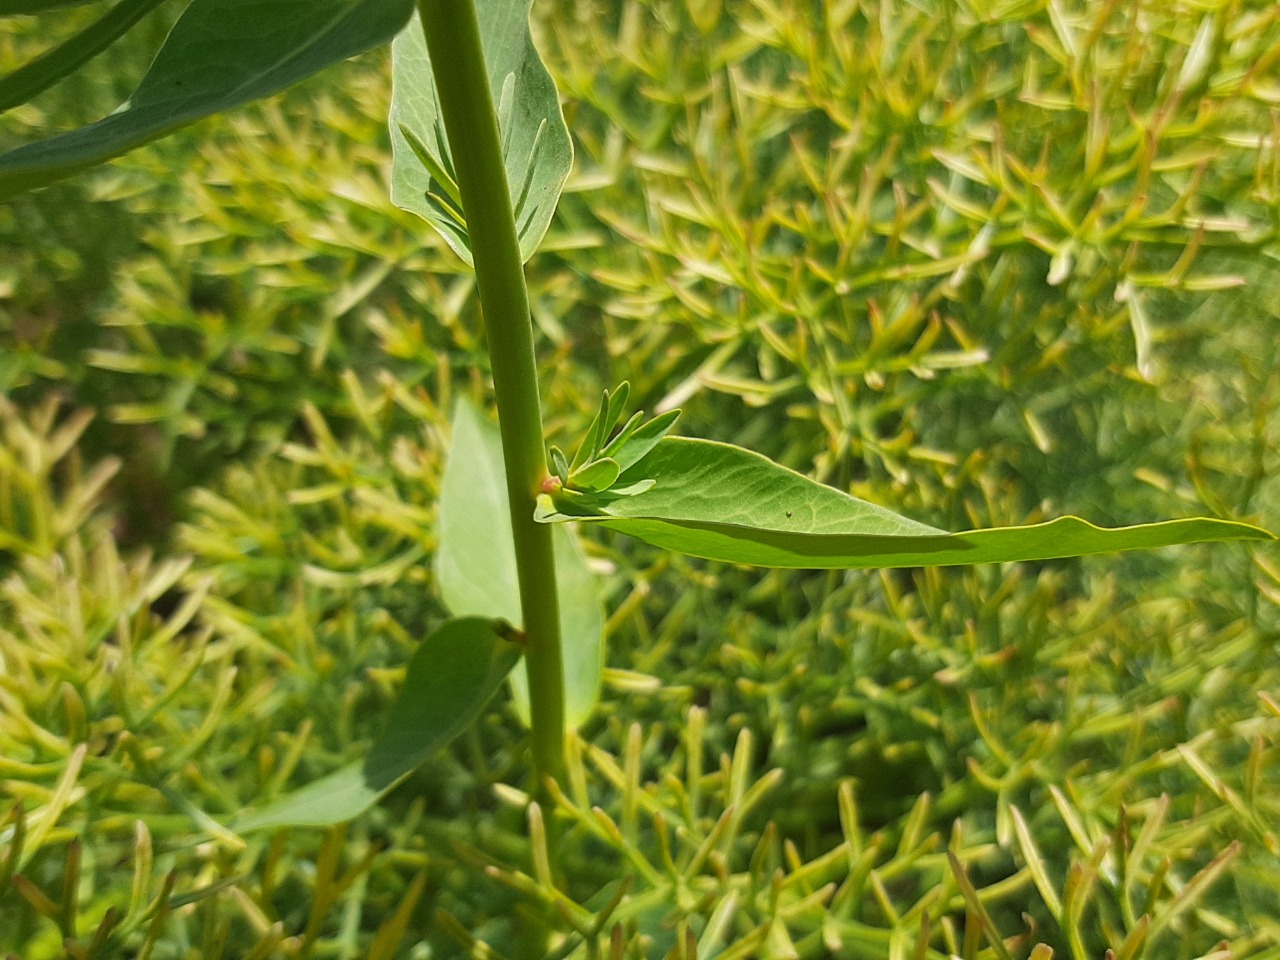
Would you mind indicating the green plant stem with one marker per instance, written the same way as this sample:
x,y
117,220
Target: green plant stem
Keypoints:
x,y
457,60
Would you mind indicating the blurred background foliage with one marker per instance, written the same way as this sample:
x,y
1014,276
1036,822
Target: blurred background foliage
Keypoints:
x,y
980,260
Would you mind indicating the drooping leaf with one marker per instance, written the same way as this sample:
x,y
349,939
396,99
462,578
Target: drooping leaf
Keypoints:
x,y
220,54
69,56
452,675
476,561
721,502
536,148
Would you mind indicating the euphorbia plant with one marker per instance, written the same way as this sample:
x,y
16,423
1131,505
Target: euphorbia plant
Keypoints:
x,y
481,153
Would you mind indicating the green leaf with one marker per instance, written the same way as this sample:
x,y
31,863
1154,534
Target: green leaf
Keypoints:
x,y
617,402
452,675
9,8
596,476
597,432
67,57
559,464
637,445
631,443
476,562
721,502
536,148
220,54
624,434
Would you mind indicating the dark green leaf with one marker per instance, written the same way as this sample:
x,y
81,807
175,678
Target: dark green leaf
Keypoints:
x,y
476,561
9,8
67,57
721,502
453,674
220,54
536,148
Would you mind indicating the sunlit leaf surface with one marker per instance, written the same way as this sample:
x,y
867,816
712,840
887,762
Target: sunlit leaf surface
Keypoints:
x,y
722,502
221,54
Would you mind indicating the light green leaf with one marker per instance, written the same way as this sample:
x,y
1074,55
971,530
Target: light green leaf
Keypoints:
x,y
596,476
476,562
220,54
624,434
51,66
536,148
453,674
721,502
598,429
632,447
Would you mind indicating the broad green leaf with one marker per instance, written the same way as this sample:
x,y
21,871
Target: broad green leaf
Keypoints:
x,y
452,675
67,57
476,562
535,141
219,55
721,502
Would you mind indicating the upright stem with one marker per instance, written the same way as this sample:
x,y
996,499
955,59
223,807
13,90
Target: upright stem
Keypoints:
x,y
471,124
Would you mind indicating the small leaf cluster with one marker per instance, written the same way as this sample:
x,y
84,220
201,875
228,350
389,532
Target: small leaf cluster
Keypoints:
x,y
606,452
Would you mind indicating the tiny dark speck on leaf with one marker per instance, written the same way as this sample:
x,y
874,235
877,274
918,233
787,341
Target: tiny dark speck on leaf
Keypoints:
x,y
788,514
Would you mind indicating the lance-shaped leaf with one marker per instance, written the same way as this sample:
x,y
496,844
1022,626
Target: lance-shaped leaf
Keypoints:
x,y
452,675
476,562
722,502
219,55
536,148
10,8
69,56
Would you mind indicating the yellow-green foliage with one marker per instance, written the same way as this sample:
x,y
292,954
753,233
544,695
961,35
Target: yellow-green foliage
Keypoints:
x,y
981,261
